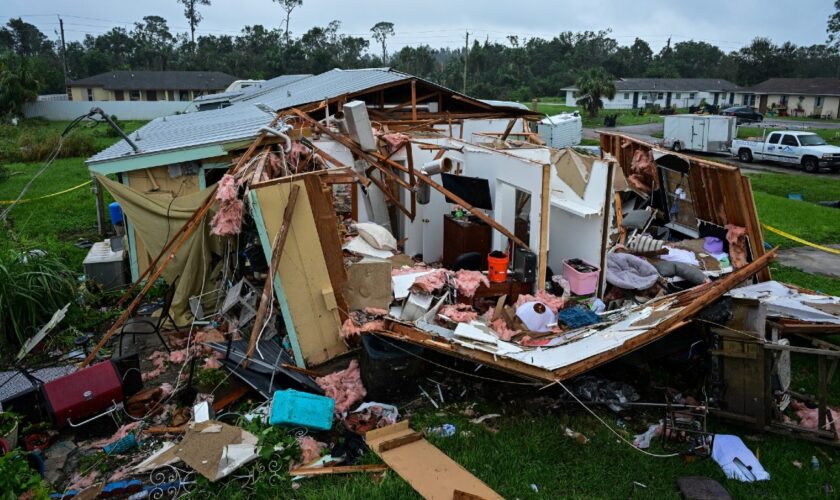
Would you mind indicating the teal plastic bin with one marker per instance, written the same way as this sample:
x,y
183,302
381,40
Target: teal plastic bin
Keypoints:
x,y
301,409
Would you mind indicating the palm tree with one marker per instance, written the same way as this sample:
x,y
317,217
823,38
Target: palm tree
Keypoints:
x,y
592,86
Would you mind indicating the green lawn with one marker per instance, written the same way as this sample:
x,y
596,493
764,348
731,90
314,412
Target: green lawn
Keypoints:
x,y
555,105
529,446
53,224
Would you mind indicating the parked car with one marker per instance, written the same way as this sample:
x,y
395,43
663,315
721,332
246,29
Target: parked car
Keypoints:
x,y
806,149
743,113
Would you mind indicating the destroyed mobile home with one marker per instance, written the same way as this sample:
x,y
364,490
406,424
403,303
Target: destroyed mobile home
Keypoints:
x,y
394,217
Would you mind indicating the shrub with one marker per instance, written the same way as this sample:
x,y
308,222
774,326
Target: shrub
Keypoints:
x,y
32,288
37,145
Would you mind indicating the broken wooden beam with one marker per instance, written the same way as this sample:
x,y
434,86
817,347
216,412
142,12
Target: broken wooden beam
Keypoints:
x,y
337,469
276,252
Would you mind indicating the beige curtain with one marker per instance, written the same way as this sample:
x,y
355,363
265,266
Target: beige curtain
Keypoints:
x,y
157,218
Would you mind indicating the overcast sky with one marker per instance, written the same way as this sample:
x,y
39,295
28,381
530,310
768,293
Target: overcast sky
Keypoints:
x,y
728,24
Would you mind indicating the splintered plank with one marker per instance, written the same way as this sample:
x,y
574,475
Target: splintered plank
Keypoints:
x,y
428,470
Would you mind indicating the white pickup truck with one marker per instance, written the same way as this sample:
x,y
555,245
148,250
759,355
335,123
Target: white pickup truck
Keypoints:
x,y
805,149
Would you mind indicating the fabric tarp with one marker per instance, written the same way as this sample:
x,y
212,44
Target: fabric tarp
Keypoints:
x,y
156,217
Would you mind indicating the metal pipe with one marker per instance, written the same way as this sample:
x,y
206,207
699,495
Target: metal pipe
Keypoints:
x,y
280,134
424,192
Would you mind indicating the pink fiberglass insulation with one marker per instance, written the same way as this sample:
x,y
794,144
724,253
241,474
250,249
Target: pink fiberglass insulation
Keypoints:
x,y
344,387
502,330
228,220
553,302
310,449
79,482
179,356
809,417
375,311
737,238
419,268
350,329
158,359
430,283
459,313
499,326
227,189
467,282
211,363
121,433
395,141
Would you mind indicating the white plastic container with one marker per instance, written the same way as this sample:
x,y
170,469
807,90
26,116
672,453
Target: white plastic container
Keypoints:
x,y
106,267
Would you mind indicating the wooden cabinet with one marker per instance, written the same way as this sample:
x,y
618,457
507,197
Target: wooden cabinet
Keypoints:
x,y
465,235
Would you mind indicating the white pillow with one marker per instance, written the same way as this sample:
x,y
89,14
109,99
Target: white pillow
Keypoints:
x,y
377,236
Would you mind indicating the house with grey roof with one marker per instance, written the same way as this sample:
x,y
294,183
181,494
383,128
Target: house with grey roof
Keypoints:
x,y
633,93
148,85
812,97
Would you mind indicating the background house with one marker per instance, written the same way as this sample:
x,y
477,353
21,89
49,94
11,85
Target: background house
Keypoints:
x,y
795,96
149,85
632,93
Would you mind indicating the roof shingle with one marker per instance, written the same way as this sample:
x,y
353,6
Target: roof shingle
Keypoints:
x,y
797,86
157,80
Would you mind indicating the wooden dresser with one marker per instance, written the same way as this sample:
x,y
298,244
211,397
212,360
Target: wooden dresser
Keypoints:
x,y
468,234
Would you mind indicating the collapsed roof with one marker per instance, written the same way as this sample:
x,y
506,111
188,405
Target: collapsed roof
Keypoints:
x,y
211,133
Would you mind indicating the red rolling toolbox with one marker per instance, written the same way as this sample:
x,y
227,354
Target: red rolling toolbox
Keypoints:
x,y
96,389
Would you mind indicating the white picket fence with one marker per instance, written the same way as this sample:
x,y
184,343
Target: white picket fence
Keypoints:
x,y
124,110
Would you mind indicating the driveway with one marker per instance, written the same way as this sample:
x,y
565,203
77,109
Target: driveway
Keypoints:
x,y
645,133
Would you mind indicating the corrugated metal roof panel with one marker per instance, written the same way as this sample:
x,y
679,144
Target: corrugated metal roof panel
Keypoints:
x,y
242,120
170,133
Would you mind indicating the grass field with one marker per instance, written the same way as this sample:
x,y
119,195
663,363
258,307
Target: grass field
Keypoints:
x,y
526,445
554,105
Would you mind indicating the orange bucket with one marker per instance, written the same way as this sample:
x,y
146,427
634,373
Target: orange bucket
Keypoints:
x,y
497,266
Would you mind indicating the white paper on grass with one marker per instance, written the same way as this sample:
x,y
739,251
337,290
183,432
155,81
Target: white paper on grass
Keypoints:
x,y
235,456
151,462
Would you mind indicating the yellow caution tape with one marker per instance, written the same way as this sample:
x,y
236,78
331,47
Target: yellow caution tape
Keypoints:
x,y
800,240
9,202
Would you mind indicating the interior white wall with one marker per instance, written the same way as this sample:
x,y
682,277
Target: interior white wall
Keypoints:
x,y
503,169
572,235
471,127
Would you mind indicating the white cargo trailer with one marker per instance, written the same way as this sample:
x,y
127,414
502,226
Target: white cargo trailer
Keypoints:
x,y
705,133
561,131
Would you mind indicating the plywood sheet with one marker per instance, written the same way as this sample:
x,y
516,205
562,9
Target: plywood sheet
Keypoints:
x,y
427,469
303,287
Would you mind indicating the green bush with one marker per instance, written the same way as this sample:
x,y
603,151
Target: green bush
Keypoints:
x,y
32,288
38,145
17,478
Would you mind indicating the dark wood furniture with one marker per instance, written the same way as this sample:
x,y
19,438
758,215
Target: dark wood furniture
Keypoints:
x,y
465,235
512,288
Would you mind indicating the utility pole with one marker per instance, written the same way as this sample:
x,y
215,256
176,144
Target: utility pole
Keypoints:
x,y
63,54
466,56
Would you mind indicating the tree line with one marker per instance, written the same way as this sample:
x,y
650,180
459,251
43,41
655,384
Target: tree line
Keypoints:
x,y
520,69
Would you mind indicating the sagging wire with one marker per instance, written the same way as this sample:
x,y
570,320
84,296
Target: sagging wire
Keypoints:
x,y
618,435
473,375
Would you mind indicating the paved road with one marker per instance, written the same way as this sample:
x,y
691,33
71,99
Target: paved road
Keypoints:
x,y
645,131
797,124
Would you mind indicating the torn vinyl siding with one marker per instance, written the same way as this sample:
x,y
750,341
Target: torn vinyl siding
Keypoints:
x,y
302,282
